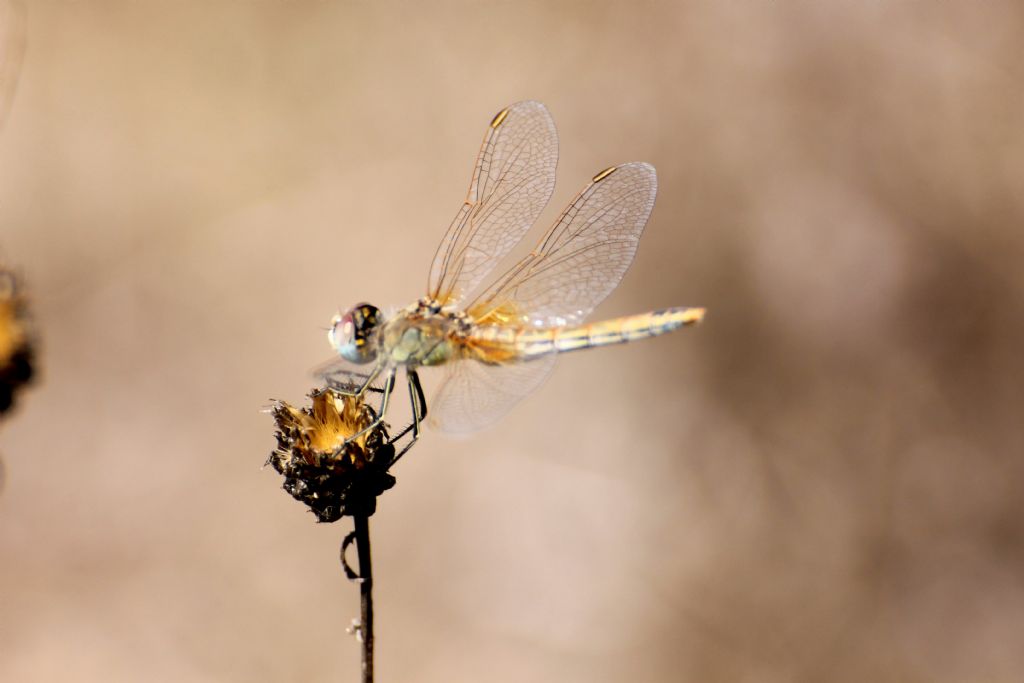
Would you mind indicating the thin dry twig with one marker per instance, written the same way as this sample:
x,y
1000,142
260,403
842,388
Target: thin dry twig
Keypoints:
x,y
363,629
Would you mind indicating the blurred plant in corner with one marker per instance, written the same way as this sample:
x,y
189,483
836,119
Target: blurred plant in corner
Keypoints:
x,y
17,339
16,336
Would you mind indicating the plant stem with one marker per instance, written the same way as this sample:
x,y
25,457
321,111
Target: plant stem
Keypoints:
x,y
362,532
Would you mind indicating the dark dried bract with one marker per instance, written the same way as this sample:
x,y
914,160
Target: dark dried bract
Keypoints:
x,y
17,353
333,478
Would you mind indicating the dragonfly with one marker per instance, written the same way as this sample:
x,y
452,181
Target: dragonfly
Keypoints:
x,y
498,342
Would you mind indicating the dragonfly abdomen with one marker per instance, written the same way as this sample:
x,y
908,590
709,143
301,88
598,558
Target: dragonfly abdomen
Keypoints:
x,y
504,345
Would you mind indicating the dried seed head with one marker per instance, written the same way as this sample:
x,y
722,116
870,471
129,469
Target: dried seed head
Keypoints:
x,y
332,477
17,353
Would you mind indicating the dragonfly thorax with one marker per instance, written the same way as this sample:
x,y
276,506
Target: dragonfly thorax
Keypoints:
x,y
422,334
354,334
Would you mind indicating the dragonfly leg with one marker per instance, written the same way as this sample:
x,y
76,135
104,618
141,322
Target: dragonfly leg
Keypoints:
x,y
419,411
389,385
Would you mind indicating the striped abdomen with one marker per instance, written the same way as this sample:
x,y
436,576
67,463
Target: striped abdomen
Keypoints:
x,y
495,344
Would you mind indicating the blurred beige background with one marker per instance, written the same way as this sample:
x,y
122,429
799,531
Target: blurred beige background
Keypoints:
x,y
822,483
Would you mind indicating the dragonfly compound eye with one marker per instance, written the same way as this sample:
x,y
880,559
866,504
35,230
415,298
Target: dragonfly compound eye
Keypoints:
x,y
354,334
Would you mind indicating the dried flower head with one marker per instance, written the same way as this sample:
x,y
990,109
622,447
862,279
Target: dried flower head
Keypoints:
x,y
17,352
332,477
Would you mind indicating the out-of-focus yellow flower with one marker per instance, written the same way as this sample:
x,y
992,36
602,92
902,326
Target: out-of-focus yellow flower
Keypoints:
x,y
17,353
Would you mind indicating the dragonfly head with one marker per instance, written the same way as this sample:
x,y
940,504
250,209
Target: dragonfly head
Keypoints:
x,y
353,335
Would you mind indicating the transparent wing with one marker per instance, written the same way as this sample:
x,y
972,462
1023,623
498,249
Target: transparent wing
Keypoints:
x,y
512,182
12,48
583,256
474,395
342,375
